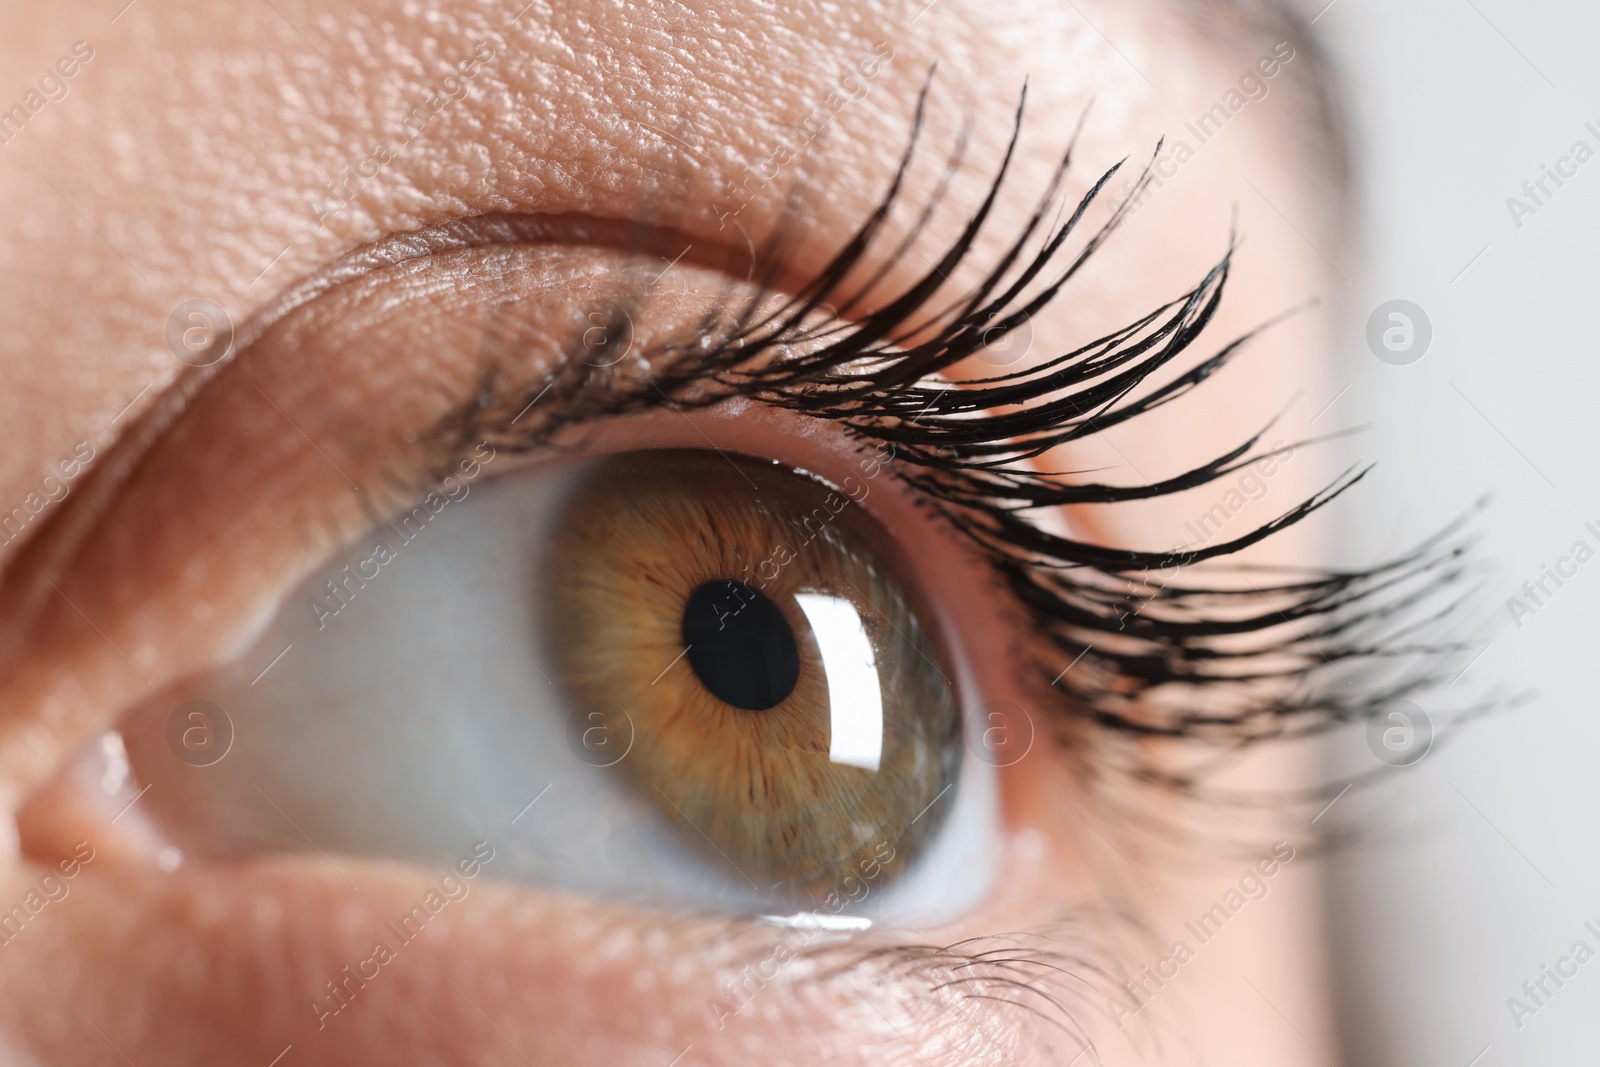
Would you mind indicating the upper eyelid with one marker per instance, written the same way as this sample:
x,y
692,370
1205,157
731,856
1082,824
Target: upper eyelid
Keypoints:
x,y
795,384
1046,571
79,543
643,236
53,543
119,457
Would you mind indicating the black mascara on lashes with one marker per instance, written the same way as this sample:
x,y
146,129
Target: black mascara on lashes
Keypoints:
x,y
964,446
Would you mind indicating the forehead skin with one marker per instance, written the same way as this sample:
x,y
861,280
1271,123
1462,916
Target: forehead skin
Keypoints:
x,y
191,158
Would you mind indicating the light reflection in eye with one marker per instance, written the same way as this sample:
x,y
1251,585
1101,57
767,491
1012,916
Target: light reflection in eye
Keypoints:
x,y
855,700
809,721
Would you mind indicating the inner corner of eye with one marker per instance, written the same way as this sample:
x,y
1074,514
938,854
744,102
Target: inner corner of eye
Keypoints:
x,y
675,677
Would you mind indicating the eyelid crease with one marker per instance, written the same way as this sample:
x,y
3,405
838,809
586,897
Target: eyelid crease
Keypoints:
x,y
51,544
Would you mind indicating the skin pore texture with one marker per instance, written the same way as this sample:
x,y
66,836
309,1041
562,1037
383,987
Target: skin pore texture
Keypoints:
x,y
192,157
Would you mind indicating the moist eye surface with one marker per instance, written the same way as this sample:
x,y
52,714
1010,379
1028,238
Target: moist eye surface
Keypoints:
x,y
816,722
689,679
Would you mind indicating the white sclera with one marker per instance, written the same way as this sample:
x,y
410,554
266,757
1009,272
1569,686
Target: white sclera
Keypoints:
x,y
419,718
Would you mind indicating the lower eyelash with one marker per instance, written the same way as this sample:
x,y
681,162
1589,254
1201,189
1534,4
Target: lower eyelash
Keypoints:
x,y
1062,974
1142,641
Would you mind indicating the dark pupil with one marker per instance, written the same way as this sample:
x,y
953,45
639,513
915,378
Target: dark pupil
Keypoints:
x,y
740,645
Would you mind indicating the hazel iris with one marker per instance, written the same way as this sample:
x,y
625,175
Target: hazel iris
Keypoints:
x,y
791,710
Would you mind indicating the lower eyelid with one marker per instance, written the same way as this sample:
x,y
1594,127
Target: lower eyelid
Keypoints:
x,y
281,930
553,976
560,980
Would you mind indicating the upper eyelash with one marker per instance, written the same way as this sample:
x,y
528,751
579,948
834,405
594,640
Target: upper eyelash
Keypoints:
x,y
963,445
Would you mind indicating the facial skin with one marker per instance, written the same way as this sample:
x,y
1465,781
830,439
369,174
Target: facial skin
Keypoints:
x,y
189,157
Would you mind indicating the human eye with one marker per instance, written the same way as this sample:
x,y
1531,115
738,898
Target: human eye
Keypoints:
x,y
611,604
687,678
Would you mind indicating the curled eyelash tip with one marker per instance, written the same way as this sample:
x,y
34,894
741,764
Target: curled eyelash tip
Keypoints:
x,y
1144,626
922,98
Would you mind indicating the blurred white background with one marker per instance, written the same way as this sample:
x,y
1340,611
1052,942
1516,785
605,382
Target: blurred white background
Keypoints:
x,y
1480,865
